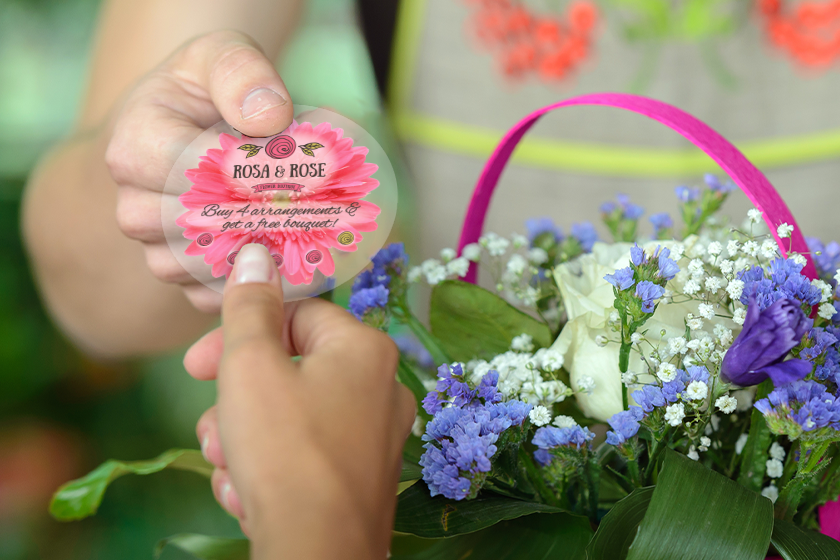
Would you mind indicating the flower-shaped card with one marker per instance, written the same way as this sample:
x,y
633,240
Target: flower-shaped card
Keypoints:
x,y
321,196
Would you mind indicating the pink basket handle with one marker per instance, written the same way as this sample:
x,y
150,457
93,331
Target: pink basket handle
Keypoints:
x,y
754,184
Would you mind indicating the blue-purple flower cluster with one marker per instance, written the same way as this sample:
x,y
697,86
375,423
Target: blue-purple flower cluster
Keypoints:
x,y
800,407
372,288
461,437
783,279
823,350
826,258
548,438
583,232
651,271
629,211
662,224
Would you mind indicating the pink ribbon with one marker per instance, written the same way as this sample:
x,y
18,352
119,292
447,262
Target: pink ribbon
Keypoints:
x,y
277,187
754,184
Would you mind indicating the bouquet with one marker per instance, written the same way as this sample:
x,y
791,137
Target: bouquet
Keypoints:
x,y
668,393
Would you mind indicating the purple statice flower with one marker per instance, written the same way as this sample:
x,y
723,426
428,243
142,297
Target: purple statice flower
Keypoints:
x,y
687,194
624,424
785,281
649,397
661,221
801,406
668,268
550,437
371,278
824,352
410,346
714,183
460,444
392,257
649,292
826,257
366,300
487,389
630,211
622,279
671,390
585,234
539,226
697,373
761,347
637,255
453,389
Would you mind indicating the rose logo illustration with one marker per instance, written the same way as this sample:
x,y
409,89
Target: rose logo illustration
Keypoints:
x,y
281,147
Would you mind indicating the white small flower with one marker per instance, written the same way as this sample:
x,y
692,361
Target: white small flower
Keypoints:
x,y
754,215
495,244
714,422
667,372
415,274
823,287
784,230
539,415
714,248
713,284
459,267
706,310
472,252
517,264
777,451
586,384
419,427
705,443
629,378
726,404
530,296
723,335
564,422
601,340
519,240
732,247
551,360
750,248
429,265
769,249
739,316
696,391
735,288
692,452
636,338
615,317
775,468
827,311
798,259
436,275
674,414
696,269
677,251
837,276
770,492
726,266
677,345
739,445
522,343
694,323
691,287
447,254
537,256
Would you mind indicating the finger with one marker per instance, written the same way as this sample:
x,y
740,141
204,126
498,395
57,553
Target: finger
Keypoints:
x,y
203,298
138,214
226,494
242,82
207,431
405,412
202,358
252,308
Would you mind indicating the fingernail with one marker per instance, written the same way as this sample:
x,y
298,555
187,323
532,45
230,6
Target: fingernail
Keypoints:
x,y
225,495
253,264
204,442
259,101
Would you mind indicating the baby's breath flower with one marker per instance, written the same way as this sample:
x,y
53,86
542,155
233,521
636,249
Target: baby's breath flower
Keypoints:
x,y
415,274
435,272
754,215
636,338
517,264
472,252
726,404
601,340
692,452
739,445
724,335
726,266
696,391
696,269
677,345
691,287
777,451
770,492
667,372
837,276
735,288
458,267
563,421
750,248
775,468
447,254
784,230
674,414
713,283
522,343
705,443
706,310
740,316
768,249
495,244
615,317
586,384
551,360
827,311
694,323
629,378
519,240
732,247
714,248
798,259
537,256
824,287
540,416
529,296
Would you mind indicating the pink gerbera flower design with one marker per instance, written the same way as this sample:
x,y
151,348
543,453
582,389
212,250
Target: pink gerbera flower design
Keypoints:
x,y
299,193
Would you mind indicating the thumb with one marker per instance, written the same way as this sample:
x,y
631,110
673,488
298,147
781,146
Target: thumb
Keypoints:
x,y
252,308
241,81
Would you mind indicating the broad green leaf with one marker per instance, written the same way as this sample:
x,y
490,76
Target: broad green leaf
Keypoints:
x,y
420,514
471,322
618,528
754,455
207,548
408,377
80,498
696,513
558,536
794,543
410,471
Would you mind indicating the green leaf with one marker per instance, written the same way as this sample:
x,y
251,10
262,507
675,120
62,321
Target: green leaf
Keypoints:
x,y
471,322
754,455
420,514
80,498
794,543
252,149
410,471
558,536
407,375
696,513
309,149
618,528
207,548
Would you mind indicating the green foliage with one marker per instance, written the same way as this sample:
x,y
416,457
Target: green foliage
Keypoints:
x,y
794,543
410,471
471,322
558,536
80,498
696,513
420,514
207,548
754,455
619,527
